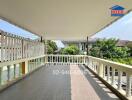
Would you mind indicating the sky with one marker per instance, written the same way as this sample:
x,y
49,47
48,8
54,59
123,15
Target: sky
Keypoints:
x,y
121,29
5,26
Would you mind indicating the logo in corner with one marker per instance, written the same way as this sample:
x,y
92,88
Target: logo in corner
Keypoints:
x,y
117,10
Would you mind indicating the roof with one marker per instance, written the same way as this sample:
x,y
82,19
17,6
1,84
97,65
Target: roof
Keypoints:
x,y
122,43
117,7
61,19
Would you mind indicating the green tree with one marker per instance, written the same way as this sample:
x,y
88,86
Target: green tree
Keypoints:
x,y
49,50
107,49
51,47
52,44
130,51
70,50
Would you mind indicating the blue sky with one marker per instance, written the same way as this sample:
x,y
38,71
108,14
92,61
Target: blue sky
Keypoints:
x,y
16,30
121,29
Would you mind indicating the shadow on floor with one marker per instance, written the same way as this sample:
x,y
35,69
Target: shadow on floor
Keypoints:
x,y
103,92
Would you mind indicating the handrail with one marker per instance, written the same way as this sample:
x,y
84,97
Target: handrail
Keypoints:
x,y
115,74
114,64
69,59
17,69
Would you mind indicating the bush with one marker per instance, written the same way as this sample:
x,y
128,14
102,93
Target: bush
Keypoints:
x,y
70,50
107,49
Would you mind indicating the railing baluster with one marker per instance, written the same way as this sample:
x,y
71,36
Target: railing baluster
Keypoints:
x,y
108,73
1,76
72,59
20,69
120,80
52,59
6,51
12,53
8,73
2,46
129,86
113,77
77,59
104,71
68,60
84,60
100,69
14,70
64,59
9,48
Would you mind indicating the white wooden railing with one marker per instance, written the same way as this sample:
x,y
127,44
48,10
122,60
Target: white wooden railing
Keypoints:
x,y
18,57
12,71
115,74
67,59
13,47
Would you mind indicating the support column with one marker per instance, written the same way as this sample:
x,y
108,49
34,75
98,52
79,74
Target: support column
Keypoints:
x,y
87,46
24,67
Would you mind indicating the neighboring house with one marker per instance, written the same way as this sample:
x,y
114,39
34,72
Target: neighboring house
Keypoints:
x,y
82,45
129,44
122,43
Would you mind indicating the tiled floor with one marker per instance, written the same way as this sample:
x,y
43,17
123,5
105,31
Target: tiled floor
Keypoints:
x,y
59,82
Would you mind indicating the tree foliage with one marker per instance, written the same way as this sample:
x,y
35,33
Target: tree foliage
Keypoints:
x,y
108,49
130,51
70,50
51,47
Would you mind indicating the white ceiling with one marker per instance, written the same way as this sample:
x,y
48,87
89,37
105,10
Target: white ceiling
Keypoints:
x,y
61,19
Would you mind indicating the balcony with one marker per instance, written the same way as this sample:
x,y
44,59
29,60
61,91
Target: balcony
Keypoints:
x,y
26,73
